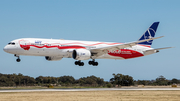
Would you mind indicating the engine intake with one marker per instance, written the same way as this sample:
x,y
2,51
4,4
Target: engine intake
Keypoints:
x,y
81,54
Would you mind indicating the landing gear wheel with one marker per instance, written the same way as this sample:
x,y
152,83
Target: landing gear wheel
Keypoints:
x,y
90,62
93,63
76,62
79,63
18,60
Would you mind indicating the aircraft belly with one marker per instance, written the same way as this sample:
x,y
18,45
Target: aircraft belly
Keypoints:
x,y
122,54
107,56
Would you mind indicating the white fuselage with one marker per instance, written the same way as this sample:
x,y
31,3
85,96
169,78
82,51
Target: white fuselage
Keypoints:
x,y
64,48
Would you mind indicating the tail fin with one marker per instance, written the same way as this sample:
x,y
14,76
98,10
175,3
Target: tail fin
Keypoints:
x,y
150,33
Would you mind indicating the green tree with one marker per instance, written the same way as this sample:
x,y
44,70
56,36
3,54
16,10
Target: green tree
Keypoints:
x,y
174,80
66,80
161,80
91,81
123,80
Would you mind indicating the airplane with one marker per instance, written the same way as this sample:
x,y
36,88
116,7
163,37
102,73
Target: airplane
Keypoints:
x,y
56,49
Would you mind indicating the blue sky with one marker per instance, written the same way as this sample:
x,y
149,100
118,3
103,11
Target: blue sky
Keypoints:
x,y
92,20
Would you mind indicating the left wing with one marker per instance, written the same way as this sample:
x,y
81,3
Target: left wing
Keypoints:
x,y
103,50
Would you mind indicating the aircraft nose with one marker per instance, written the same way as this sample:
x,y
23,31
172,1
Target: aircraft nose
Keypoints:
x,y
5,49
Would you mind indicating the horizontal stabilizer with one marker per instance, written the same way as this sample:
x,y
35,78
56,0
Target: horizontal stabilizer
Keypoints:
x,y
151,51
157,49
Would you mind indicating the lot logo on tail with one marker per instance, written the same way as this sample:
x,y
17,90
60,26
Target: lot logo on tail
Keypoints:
x,y
150,33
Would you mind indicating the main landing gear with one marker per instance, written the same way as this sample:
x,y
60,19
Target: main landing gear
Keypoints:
x,y
82,63
18,59
93,63
79,63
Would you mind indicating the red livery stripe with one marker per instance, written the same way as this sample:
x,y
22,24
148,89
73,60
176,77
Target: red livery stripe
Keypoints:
x,y
126,54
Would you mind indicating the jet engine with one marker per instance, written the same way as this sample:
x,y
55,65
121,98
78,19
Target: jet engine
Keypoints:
x,y
53,58
81,54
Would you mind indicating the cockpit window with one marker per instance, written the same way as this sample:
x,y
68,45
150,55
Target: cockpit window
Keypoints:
x,y
11,43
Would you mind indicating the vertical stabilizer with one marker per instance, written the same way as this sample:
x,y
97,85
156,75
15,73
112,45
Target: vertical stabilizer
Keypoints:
x,y
150,33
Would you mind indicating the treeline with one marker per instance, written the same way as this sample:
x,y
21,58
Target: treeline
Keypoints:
x,y
21,80
90,81
160,81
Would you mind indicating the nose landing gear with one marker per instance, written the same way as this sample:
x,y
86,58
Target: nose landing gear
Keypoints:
x,y
18,59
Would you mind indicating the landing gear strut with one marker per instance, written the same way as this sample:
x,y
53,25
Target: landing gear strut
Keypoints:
x,y
93,63
18,59
79,63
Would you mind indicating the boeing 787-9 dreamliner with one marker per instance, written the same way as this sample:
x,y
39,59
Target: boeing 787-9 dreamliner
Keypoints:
x,y
56,49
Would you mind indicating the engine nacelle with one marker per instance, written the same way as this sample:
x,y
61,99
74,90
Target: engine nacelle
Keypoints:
x,y
53,58
81,54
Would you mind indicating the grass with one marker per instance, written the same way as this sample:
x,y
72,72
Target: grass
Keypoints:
x,y
93,96
76,87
